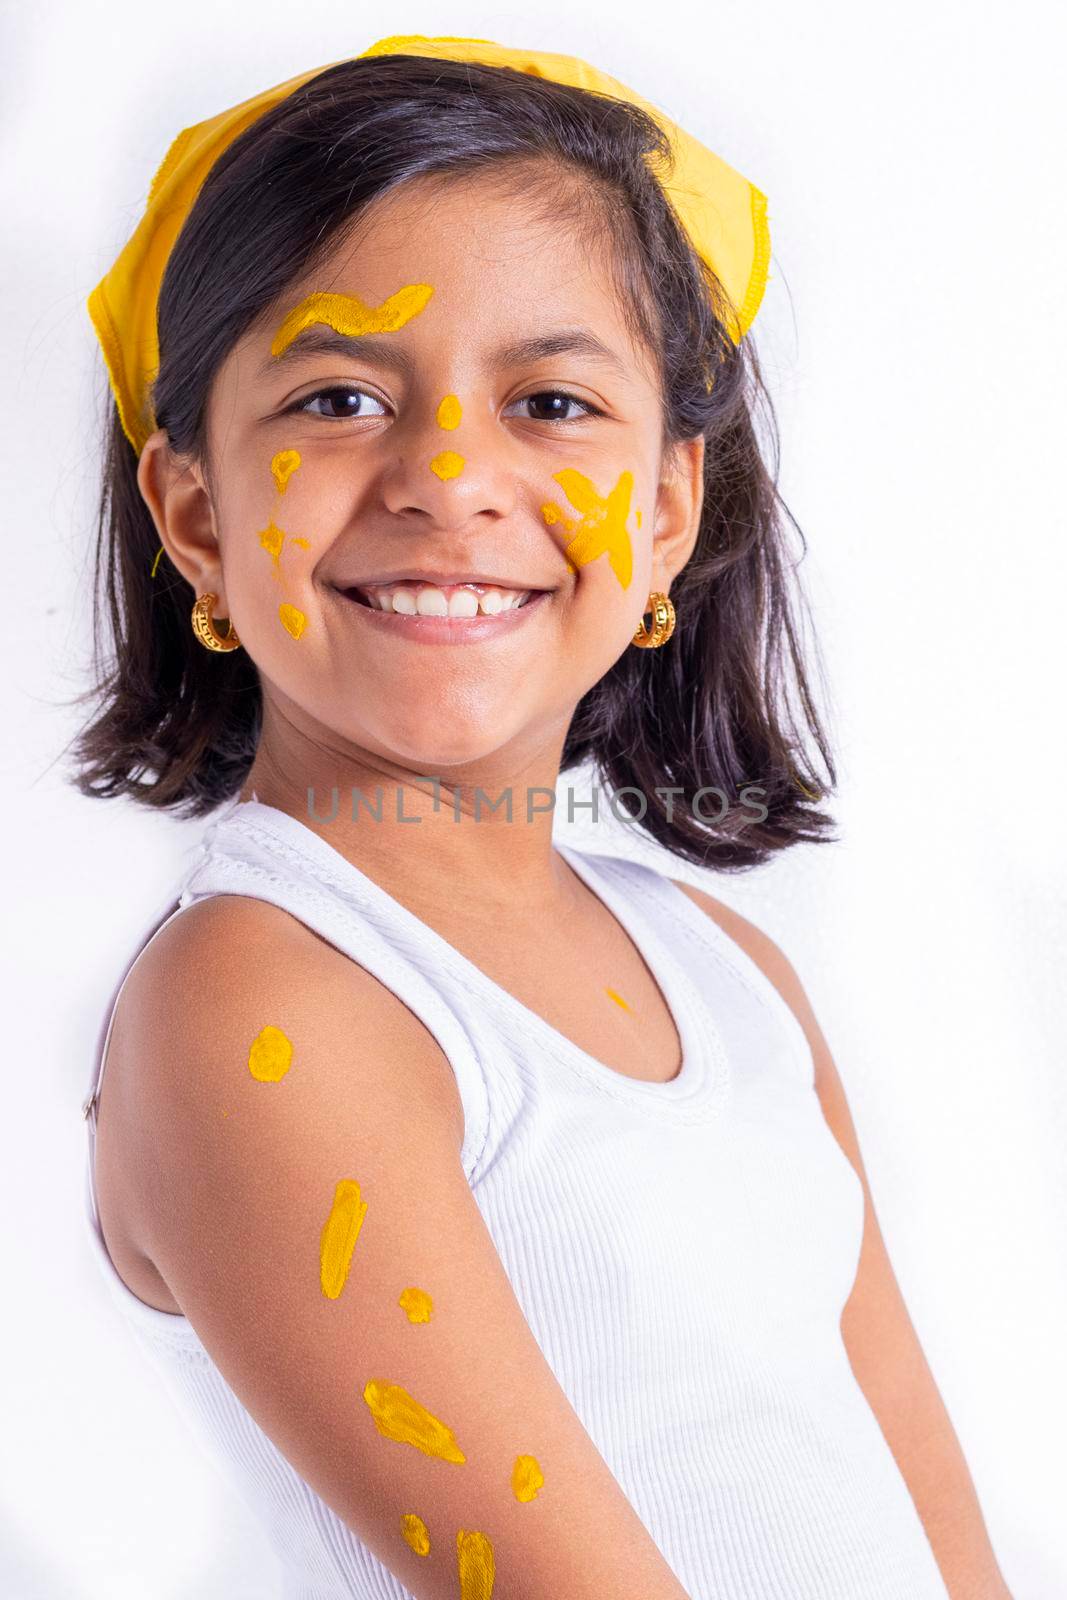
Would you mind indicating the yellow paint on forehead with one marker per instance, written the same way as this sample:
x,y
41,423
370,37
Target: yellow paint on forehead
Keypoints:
x,y
416,1533
418,1304
618,999
477,1566
447,465
449,412
282,467
271,1055
347,313
526,1478
339,1234
398,1415
602,528
293,621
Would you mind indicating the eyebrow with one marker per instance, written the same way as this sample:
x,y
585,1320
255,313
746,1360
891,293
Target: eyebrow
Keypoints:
x,y
322,340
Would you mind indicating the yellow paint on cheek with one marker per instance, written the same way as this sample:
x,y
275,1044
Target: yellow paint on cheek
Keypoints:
x,y
293,621
347,313
447,465
272,538
397,1415
637,514
602,528
415,1532
526,1478
477,1568
305,544
449,412
339,1234
282,467
418,1305
618,999
271,1055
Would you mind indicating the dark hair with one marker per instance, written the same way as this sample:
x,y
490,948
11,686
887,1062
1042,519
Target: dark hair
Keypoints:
x,y
177,726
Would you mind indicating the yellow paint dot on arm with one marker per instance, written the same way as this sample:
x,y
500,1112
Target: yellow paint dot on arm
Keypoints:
x,y
293,621
618,999
398,1415
415,1532
447,465
477,1566
526,1478
271,1055
418,1304
449,412
339,1234
347,313
282,467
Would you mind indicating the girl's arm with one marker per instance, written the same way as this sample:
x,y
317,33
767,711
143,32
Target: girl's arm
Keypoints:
x,y
882,1344
382,1350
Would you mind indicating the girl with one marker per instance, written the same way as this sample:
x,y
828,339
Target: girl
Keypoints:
x,y
493,1205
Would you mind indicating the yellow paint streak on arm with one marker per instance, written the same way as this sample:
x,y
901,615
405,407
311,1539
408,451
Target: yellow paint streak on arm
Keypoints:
x,y
618,999
447,465
449,412
416,1533
526,1478
418,1304
271,1055
347,313
477,1568
339,1234
398,1415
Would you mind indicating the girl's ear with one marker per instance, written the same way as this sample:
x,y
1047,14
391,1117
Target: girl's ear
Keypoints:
x,y
679,503
174,490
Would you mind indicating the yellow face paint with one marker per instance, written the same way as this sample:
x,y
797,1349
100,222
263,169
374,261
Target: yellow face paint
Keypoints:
x,y
637,514
339,1234
293,621
348,314
447,464
271,1055
602,528
618,999
526,1478
477,1568
418,1305
155,563
305,544
282,467
449,412
414,1530
272,538
397,1415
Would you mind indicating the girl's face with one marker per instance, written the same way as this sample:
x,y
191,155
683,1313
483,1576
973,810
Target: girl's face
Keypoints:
x,y
455,396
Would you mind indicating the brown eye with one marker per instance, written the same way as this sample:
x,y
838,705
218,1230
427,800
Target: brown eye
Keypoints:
x,y
338,396
553,404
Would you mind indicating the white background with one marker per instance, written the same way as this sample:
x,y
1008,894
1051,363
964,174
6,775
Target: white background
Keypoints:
x,y
912,334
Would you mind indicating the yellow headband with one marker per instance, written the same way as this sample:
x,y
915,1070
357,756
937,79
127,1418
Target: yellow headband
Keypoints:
x,y
723,213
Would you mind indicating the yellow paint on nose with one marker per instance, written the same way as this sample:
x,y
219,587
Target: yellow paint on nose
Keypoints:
x,y
449,412
398,1415
526,1478
447,465
418,1304
347,313
602,528
477,1566
416,1533
271,1055
293,621
282,467
339,1234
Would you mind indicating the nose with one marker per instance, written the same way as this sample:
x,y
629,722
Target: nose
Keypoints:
x,y
450,474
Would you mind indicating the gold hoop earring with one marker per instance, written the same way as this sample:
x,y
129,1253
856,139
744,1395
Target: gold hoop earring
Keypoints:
x,y
662,622
205,630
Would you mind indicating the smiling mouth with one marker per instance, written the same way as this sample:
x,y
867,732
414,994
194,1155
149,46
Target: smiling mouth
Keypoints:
x,y
455,602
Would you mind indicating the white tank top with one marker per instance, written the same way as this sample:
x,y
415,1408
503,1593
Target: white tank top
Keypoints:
x,y
682,1251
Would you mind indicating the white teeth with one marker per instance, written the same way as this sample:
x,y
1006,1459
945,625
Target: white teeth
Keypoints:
x,y
428,601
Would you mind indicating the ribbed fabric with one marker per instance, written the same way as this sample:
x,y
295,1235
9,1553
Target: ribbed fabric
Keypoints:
x,y
682,1251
